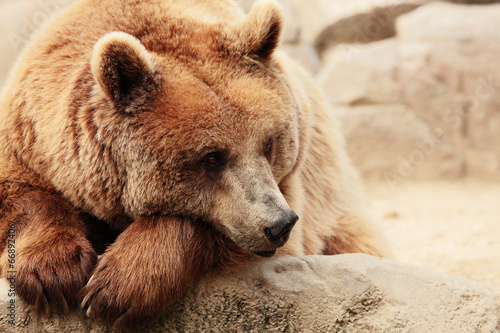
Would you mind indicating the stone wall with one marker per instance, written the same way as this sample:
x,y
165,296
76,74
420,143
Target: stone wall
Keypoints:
x,y
424,104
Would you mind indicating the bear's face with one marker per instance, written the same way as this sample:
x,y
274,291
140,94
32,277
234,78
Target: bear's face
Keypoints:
x,y
209,135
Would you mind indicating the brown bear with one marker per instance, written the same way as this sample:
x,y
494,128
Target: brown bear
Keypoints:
x,y
174,132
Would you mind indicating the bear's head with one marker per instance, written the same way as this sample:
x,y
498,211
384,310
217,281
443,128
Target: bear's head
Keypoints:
x,y
201,123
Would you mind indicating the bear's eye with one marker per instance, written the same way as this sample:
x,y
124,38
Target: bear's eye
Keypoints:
x,y
214,160
268,147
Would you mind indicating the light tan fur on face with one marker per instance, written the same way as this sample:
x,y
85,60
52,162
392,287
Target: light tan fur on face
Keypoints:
x,y
106,126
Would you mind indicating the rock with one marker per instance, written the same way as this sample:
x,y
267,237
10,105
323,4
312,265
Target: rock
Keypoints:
x,y
357,22
385,138
357,74
326,23
321,24
353,293
450,76
389,143
444,69
476,2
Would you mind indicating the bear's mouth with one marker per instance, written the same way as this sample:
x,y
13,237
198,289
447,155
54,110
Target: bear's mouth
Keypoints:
x,y
266,254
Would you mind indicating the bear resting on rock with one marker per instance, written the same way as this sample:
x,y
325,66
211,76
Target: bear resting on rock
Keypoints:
x,y
172,137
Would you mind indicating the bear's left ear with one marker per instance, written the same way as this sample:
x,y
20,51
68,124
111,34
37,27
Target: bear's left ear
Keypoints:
x,y
122,67
259,33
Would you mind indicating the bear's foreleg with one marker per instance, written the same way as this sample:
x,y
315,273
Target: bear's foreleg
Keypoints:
x,y
44,243
150,265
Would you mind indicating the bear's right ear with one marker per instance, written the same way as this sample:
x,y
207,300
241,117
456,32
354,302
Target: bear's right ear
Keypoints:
x,y
122,67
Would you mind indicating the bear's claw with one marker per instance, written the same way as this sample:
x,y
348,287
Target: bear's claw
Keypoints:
x,y
104,301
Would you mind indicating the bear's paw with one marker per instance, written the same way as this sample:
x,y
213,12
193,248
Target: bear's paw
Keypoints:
x,y
50,279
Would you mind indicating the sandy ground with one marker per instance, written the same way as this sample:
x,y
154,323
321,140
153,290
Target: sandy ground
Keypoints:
x,y
453,227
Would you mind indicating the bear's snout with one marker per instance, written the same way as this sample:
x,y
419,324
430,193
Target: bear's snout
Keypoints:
x,y
279,233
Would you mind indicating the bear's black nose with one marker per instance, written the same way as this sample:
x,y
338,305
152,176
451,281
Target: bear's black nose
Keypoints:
x,y
278,234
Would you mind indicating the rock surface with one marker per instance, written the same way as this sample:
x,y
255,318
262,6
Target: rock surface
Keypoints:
x,y
450,226
442,69
353,293
450,76
405,146
362,84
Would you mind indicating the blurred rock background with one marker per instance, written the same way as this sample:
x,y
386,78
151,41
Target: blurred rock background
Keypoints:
x,y
416,84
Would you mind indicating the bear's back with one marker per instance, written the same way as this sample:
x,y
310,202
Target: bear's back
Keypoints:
x,y
66,42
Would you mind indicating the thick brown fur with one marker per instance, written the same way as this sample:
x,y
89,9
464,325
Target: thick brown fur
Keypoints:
x,y
163,255
177,125
53,257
